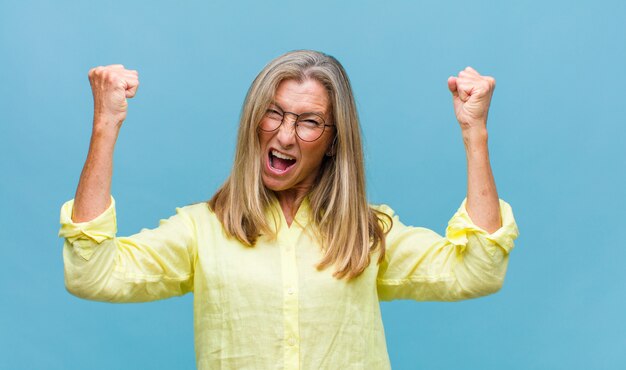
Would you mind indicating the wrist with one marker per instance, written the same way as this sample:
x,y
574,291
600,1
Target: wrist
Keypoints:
x,y
475,138
105,128
102,142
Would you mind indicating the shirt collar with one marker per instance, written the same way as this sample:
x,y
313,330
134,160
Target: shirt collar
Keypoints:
x,y
301,219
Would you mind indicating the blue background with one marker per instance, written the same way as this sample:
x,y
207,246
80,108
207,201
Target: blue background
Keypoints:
x,y
557,128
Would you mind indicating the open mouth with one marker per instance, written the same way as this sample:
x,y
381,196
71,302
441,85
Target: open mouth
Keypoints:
x,y
280,162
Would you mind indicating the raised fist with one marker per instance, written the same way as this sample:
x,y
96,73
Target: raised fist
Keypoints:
x,y
111,85
471,95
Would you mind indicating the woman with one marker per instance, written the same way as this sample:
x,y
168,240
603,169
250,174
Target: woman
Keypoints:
x,y
287,261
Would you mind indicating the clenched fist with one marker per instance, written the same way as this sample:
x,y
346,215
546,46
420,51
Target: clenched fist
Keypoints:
x,y
471,95
111,86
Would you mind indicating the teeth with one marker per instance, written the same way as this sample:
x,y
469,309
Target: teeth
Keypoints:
x,y
278,154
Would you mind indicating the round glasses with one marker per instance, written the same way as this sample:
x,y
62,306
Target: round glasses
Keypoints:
x,y
308,126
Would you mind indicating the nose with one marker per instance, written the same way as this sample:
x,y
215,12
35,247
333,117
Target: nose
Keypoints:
x,y
286,134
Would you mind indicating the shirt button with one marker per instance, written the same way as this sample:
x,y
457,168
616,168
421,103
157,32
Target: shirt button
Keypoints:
x,y
291,341
290,291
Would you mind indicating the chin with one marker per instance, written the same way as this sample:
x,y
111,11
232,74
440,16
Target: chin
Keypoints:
x,y
273,184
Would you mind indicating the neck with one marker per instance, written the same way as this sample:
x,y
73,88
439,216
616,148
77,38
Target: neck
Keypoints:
x,y
290,201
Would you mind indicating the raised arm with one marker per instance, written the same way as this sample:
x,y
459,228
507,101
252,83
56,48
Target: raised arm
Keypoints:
x,y
471,259
150,265
471,96
111,86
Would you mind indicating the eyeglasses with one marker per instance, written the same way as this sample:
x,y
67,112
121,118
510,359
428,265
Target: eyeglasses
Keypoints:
x,y
309,126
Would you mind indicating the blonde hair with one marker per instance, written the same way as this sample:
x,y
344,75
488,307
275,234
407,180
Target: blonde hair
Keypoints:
x,y
347,228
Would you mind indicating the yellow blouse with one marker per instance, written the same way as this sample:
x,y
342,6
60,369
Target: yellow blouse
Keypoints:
x,y
268,307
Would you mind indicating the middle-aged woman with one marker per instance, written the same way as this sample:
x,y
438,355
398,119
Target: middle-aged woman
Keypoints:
x,y
288,261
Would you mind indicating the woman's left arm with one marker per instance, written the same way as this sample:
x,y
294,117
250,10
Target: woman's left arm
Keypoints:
x,y
471,260
471,95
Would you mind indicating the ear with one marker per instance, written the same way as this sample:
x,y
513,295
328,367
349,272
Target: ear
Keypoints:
x,y
332,148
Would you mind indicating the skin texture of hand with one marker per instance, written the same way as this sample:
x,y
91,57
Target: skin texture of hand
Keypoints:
x,y
111,86
471,97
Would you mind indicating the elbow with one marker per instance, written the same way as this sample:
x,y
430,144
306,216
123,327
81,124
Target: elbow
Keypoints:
x,y
92,291
481,288
86,286
74,289
80,288
492,287
482,275
471,286
87,272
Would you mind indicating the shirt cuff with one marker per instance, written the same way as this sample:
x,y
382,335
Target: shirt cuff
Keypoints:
x,y
461,225
97,230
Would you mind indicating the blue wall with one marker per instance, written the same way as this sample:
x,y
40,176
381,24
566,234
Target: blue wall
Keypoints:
x,y
557,128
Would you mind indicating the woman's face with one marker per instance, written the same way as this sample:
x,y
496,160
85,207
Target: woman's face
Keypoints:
x,y
288,162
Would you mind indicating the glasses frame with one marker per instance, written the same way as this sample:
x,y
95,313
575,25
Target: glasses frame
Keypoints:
x,y
295,123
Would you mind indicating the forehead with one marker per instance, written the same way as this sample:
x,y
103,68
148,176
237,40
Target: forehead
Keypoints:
x,y
302,96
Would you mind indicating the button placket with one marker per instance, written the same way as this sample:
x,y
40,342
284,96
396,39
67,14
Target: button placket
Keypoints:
x,y
288,239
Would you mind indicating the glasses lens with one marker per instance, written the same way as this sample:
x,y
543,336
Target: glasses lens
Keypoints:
x,y
310,127
271,120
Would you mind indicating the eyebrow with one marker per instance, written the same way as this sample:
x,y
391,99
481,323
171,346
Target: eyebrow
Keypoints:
x,y
321,114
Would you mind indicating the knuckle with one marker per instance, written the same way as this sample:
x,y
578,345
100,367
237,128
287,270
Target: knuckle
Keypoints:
x,y
95,72
489,82
110,77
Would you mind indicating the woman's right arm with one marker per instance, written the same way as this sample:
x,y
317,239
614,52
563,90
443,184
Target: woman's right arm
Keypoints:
x,y
150,265
111,86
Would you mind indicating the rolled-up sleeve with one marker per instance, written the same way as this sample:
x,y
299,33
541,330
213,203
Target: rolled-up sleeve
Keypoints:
x,y
150,265
468,262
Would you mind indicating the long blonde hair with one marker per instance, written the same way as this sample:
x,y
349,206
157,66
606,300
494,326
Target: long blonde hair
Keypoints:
x,y
348,229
